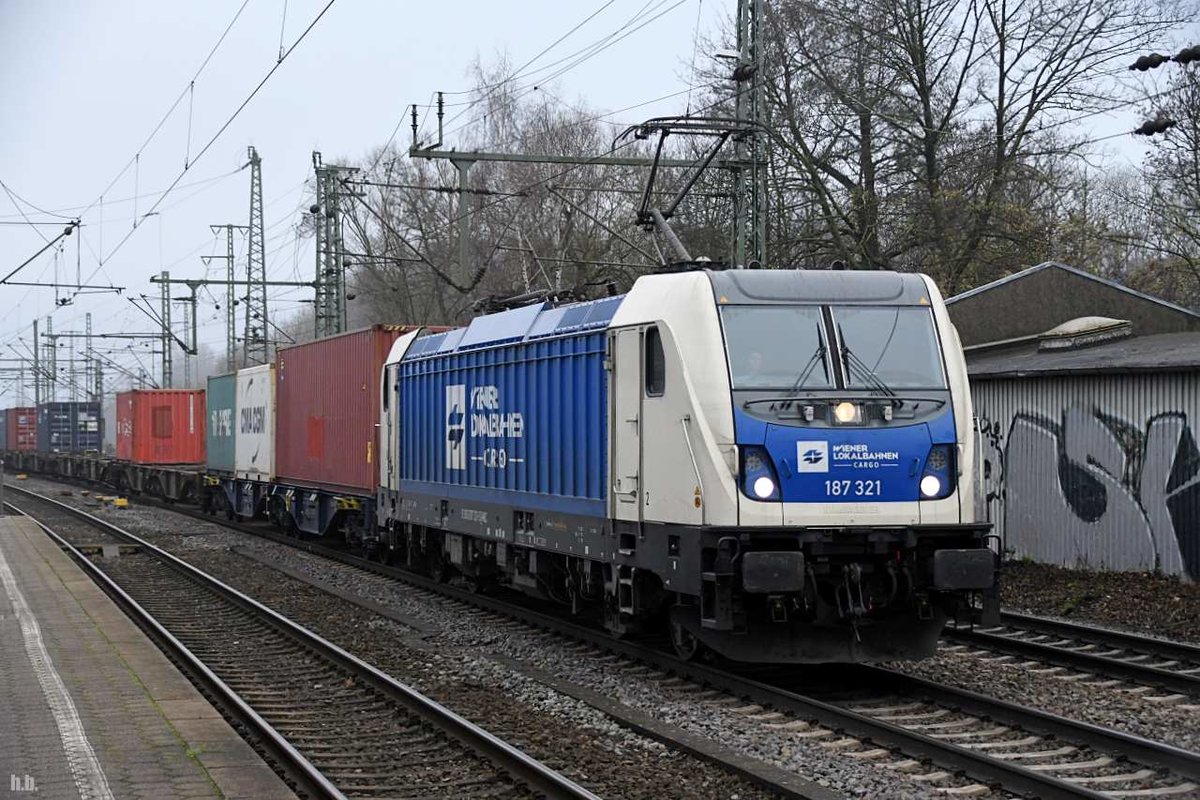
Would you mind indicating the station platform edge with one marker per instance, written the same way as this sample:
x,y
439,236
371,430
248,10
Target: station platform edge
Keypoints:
x,y
91,708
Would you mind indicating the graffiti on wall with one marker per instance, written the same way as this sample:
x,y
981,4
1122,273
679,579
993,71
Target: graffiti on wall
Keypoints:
x,y
1092,489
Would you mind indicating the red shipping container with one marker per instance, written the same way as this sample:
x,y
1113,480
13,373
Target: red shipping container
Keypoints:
x,y
326,410
20,428
161,426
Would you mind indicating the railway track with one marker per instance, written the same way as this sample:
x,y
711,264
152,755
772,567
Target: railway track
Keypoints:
x,y
958,742
335,726
1069,646
961,743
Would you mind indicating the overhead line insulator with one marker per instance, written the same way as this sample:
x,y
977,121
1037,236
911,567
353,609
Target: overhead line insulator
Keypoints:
x,y
1187,55
1150,127
1152,61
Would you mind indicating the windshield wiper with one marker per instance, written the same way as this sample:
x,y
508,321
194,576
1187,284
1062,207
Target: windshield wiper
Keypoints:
x,y
851,360
818,357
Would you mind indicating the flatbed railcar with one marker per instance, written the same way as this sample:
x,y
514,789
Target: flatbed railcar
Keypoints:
x,y
774,465
176,483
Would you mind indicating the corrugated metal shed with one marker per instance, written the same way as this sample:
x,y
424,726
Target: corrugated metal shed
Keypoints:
x,y
1095,470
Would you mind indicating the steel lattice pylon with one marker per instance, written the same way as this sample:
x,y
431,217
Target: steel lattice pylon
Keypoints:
x,y
750,194
255,345
331,270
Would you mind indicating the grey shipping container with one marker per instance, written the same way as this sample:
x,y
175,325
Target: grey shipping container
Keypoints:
x,y
69,427
222,419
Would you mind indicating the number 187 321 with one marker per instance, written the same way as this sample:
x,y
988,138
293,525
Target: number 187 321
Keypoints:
x,y
848,488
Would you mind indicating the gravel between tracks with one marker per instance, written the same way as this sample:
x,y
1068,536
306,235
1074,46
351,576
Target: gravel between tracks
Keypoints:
x,y
453,666
1137,601
1113,707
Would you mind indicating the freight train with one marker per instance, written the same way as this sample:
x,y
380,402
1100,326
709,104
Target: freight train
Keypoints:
x,y
771,465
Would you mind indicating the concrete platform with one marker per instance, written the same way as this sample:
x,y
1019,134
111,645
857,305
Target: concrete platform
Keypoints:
x,y
89,707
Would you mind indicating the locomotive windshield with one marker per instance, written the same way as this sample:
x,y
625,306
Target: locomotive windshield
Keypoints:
x,y
895,346
776,347
785,348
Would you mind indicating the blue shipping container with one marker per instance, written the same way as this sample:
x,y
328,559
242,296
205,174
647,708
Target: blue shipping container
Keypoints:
x,y
74,427
220,402
512,410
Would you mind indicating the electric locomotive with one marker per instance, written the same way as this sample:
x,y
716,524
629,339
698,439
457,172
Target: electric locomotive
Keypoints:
x,y
776,465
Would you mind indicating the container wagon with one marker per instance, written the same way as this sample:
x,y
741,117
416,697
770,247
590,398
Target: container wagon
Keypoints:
x,y
69,427
221,410
254,447
326,444
19,428
161,426
242,467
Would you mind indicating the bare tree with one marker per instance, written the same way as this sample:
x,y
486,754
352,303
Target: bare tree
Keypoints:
x,y
915,134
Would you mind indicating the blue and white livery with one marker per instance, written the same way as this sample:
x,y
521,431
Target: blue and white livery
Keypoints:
x,y
778,465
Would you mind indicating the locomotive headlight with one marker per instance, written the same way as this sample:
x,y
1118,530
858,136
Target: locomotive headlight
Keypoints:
x,y
937,478
758,478
847,413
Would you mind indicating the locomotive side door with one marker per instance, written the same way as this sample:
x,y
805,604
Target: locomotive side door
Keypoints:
x,y
625,424
389,431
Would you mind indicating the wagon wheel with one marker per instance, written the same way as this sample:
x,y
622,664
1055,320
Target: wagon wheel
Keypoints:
x,y
686,645
439,570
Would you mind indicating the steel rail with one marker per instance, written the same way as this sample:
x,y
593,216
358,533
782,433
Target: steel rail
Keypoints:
x,y
973,763
308,778
517,763
1183,651
1060,655
1185,763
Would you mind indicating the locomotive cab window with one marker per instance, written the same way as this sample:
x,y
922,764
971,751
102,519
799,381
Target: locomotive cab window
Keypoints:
x,y
778,348
656,364
892,346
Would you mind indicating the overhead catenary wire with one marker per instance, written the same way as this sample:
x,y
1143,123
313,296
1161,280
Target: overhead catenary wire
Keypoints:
x,y
400,123
588,53
129,199
1048,126
695,51
171,110
224,126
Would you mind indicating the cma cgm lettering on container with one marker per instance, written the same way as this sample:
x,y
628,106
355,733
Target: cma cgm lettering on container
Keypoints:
x,y
780,463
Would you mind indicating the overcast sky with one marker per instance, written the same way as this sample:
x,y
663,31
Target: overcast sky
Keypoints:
x,y
83,84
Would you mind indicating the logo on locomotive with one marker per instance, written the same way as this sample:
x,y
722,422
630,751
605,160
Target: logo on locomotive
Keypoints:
x,y
488,420
812,456
456,415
